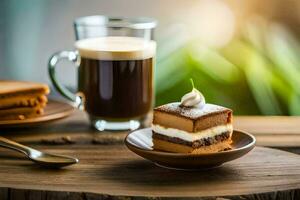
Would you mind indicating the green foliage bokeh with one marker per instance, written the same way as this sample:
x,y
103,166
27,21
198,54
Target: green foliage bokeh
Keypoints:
x,y
255,74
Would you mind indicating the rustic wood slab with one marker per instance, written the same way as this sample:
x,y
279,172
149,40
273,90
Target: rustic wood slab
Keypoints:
x,y
111,171
107,170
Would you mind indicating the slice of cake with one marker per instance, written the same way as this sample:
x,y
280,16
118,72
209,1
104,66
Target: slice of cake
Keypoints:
x,y
192,126
20,99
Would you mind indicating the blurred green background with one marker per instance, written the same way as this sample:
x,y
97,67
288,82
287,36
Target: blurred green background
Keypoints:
x,y
256,73
241,54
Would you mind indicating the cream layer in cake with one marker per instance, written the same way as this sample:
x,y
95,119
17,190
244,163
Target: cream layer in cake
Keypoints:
x,y
188,136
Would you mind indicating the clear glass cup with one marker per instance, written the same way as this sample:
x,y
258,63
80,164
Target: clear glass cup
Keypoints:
x,y
115,59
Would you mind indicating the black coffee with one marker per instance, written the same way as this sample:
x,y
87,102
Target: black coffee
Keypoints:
x,y
116,89
116,86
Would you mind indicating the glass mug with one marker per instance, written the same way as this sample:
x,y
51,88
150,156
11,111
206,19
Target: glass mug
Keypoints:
x,y
115,60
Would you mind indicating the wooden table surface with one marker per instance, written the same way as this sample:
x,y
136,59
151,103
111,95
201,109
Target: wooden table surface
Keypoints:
x,y
107,170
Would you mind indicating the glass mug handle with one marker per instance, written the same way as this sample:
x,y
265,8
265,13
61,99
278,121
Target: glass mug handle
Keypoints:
x,y
72,56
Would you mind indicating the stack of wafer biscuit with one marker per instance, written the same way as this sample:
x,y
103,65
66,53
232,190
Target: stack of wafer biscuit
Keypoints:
x,y
21,100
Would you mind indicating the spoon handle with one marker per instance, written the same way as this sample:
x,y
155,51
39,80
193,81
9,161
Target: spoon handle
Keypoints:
x,y
14,146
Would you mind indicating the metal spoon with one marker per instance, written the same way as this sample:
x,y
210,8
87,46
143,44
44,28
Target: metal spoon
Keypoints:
x,y
44,159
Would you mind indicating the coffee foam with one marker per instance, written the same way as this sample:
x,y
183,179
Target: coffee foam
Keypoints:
x,y
116,48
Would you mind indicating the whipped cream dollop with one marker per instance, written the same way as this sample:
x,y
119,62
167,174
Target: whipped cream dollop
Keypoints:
x,y
193,99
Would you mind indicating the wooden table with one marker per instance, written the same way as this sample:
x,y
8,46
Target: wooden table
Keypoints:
x,y
107,170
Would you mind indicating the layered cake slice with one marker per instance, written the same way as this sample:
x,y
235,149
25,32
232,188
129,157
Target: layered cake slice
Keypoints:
x,y
20,99
192,126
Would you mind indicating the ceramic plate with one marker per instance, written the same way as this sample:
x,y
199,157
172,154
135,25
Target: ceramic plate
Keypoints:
x,y
140,142
54,110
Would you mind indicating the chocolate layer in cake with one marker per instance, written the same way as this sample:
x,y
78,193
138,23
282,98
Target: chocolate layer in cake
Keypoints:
x,y
195,144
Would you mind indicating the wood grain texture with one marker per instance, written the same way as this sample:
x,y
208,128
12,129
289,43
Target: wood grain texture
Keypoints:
x,y
273,131
107,170
262,172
